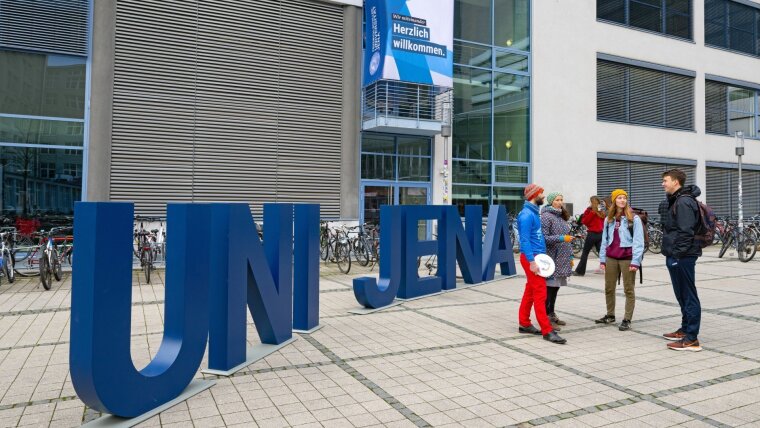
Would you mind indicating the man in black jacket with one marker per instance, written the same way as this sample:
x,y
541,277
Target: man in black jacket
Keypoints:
x,y
682,219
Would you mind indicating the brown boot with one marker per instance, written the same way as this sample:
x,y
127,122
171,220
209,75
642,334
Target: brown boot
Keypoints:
x,y
555,319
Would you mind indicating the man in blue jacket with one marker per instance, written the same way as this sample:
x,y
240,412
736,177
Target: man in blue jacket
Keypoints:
x,y
681,220
532,243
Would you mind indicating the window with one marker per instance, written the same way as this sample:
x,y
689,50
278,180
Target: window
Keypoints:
x,y
47,170
472,20
390,158
513,29
491,107
669,17
722,194
31,183
472,113
72,169
511,117
41,105
729,109
41,85
643,96
732,25
641,177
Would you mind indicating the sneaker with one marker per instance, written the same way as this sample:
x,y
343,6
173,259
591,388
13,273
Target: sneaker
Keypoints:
x,y
625,325
676,335
553,337
529,330
578,274
555,319
607,319
685,345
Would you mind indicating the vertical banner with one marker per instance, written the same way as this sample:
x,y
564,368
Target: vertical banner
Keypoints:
x,y
409,41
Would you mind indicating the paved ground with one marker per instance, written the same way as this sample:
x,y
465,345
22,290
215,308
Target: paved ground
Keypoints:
x,y
451,359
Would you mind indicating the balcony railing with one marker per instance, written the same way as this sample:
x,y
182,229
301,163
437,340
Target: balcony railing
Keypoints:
x,y
390,106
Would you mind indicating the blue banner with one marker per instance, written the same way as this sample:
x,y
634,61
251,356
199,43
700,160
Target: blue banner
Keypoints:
x,y
409,41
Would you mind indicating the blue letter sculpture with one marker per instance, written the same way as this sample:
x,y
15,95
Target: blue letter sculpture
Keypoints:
x,y
102,370
306,280
252,272
411,284
400,249
461,246
370,292
497,246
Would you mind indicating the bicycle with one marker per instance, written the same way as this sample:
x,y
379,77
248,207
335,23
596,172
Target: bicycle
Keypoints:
x,y
50,258
743,242
361,245
6,254
339,248
655,237
147,248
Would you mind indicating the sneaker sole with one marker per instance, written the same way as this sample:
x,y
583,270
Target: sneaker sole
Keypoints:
x,y
672,339
690,348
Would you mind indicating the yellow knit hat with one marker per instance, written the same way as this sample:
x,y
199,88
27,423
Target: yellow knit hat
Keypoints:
x,y
618,192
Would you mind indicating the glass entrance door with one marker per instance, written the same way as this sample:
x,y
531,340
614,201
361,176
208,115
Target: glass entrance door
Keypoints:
x,y
376,194
415,196
374,197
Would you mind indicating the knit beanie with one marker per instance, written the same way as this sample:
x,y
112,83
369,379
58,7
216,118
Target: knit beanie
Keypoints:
x,y
618,192
552,196
532,191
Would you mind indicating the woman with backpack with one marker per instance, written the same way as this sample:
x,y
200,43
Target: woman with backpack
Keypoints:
x,y
620,255
593,219
556,231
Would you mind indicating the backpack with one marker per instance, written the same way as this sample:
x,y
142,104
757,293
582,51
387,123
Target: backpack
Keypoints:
x,y
644,217
705,231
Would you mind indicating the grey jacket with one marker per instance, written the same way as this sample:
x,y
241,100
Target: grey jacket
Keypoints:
x,y
555,229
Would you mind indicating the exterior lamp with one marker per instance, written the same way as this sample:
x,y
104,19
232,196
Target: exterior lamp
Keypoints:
x,y
739,154
508,144
509,42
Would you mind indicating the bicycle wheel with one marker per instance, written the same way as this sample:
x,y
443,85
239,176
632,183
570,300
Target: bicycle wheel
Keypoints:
x,y
8,265
746,247
146,265
343,257
361,252
578,244
57,271
45,276
324,245
655,242
726,244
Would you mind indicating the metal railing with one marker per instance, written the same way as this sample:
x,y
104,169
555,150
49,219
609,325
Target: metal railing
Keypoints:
x,y
391,99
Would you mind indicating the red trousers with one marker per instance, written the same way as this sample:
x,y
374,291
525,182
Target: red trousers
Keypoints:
x,y
535,296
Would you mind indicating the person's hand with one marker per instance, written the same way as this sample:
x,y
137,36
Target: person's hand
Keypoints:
x,y
567,238
534,267
602,267
633,268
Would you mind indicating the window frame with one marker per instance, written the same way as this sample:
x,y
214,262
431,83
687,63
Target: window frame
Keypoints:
x,y
663,20
728,28
726,85
664,71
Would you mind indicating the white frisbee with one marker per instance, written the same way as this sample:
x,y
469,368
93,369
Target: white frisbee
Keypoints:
x,y
545,265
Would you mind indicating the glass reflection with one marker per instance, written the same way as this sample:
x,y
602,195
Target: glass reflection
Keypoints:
x,y
39,181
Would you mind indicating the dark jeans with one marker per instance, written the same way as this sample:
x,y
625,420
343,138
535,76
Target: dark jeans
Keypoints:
x,y
592,240
551,299
685,289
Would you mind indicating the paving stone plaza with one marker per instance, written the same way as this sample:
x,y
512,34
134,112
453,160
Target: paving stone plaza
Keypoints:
x,y
453,359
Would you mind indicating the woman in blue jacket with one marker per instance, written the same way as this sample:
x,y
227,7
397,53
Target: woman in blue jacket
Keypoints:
x,y
621,253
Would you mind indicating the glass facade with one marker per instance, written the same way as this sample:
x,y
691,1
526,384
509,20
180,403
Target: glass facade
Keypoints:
x,y
42,100
491,124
